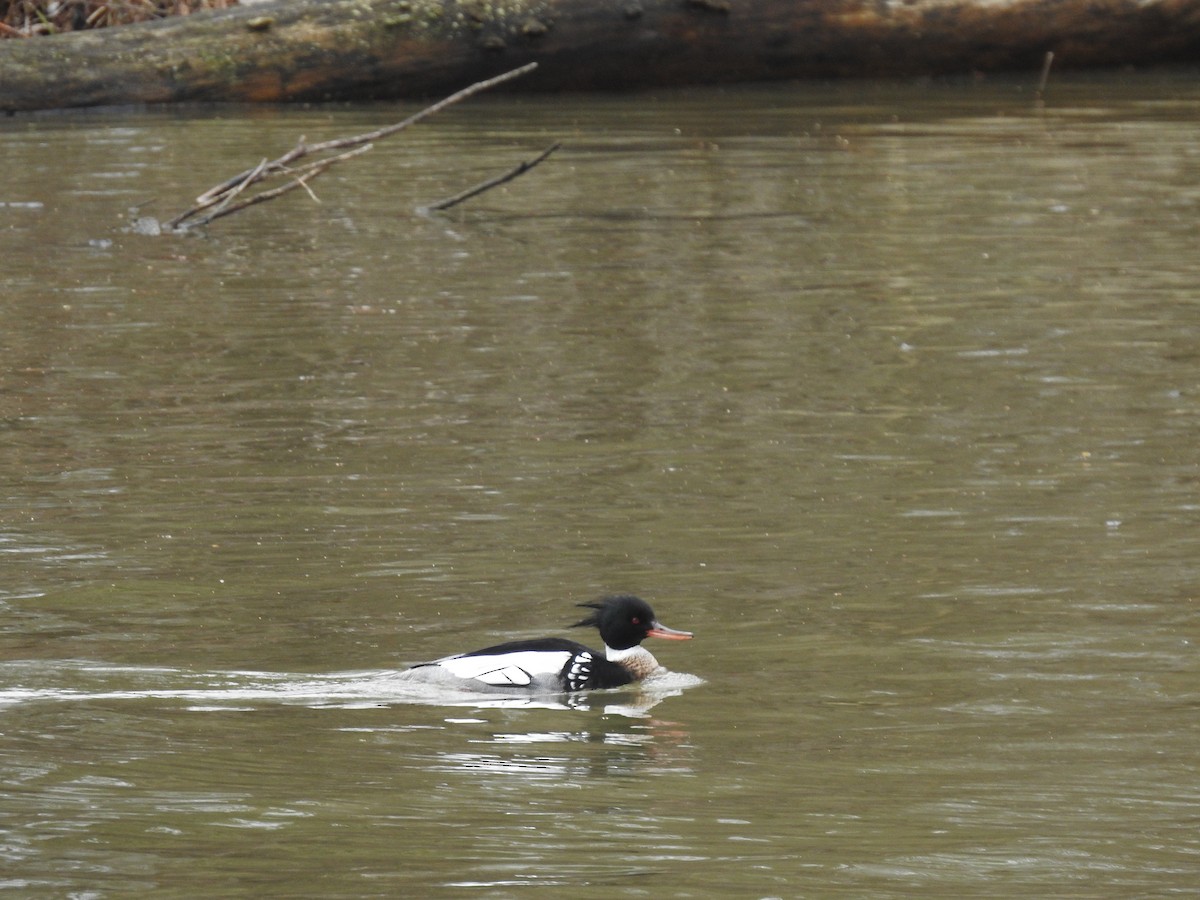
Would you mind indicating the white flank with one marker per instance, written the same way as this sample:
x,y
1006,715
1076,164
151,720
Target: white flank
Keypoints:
x,y
507,669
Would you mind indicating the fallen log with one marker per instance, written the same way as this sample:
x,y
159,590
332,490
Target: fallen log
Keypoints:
x,y
286,50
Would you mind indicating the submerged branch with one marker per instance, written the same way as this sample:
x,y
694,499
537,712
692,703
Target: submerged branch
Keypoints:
x,y
508,176
222,195
301,179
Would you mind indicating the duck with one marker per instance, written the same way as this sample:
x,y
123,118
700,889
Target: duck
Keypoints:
x,y
559,665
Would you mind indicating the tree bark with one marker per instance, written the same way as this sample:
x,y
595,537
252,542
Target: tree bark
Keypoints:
x,y
358,49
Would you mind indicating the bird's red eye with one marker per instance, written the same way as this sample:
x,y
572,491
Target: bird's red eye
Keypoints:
x,y
635,621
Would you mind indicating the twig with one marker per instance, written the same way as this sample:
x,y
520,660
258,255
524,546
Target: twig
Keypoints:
x,y
495,182
237,188
303,176
1039,94
221,194
214,193
466,92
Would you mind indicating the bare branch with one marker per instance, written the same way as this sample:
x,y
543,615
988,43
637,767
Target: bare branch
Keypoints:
x,y
222,195
518,170
466,92
302,177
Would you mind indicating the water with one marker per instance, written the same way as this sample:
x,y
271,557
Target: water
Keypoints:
x,y
889,392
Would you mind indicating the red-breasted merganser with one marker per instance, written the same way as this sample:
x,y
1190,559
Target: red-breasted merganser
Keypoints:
x,y
552,665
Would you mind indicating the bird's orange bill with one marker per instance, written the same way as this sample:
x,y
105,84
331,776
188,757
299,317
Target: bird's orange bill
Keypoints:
x,y
662,631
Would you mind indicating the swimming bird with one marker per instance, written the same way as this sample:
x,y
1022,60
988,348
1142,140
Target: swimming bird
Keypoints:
x,y
552,665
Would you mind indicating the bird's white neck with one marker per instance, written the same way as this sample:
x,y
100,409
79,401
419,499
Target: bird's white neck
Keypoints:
x,y
638,660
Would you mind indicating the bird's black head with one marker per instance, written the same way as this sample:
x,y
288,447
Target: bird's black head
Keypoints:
x,y
625,621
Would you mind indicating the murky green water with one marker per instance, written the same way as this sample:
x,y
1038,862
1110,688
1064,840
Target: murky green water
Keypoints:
x,y
890,393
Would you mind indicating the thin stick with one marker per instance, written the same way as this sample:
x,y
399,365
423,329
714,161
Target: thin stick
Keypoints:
x,y
302,149
466,92
518,170
216,191
303,176
1046,63
238,188
221,194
